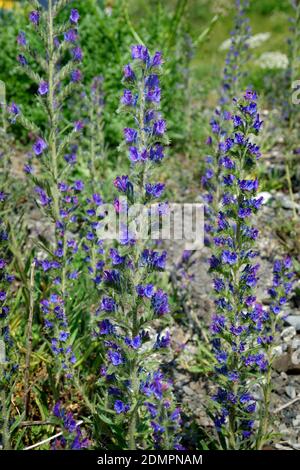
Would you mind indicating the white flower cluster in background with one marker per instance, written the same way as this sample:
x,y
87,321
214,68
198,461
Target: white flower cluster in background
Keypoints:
x,y
253,42
273,60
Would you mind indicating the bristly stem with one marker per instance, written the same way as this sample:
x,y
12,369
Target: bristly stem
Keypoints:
x,y
267,394
5,416
290,186
92,148
52,112
29,341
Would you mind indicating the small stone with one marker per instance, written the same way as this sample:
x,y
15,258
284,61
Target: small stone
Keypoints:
x,y
281,364
278,350
288,334
296,343
294,321
295,357
290,391
288,363
286,203
283,428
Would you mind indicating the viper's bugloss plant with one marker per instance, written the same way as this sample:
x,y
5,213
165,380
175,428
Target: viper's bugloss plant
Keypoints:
x,y
279,292
238,54
233,73
93,136
289,110
243,331
59,76
239,318
133,384
4,141
52,159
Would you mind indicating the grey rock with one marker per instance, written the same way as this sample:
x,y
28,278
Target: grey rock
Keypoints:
x,y
287,203
295,357
290,391
288,333
295,343
294,321
284,376
279,350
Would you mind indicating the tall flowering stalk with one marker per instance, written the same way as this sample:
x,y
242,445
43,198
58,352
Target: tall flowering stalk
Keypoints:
x,y
239,318
283,280
59,76
93,137
4,140
289,109
233,73
53,151
238,53
136,389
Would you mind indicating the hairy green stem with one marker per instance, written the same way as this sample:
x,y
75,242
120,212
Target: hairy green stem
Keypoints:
x,y
237,311
135,326
29,341
52,112
5,417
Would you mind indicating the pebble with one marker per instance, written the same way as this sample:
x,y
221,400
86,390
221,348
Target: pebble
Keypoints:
x,y
295,357
294,321
288,333
286,203
284,376
296,343
296,421
290,391
278,350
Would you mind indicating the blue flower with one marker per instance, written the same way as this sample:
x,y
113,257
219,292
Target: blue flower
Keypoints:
x,y
43,88
130,135
128,72
74,16
71,36
21,39
229,257
162,341
156,59
127,98
160,303
159,127
115,358
140,52
77,54
154,190
108,304
145,291
76,76
22,60
34,17
153,94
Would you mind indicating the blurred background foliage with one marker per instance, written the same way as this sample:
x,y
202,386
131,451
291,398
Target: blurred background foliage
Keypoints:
x,y
194,61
